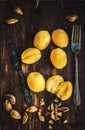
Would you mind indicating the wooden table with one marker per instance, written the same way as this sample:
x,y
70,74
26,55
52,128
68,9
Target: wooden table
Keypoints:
x,y
49,16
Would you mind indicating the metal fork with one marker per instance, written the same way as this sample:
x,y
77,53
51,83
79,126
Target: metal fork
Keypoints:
x,y
76,47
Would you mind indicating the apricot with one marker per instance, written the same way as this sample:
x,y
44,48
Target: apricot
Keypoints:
x,y
64,90
36,82
42,39
58,58
30,55
60,38
53,82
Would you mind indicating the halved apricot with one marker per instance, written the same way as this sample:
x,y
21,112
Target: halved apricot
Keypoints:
x,y
42,39
58,58
60,38
30,55
36,82
53,82
64,90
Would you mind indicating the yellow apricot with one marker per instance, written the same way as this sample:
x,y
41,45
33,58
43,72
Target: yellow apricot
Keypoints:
x,y
30,55
64,90
42,39
58,58
53,82
60,38
36,82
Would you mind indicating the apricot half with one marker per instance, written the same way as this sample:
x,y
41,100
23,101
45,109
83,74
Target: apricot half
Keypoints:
x,y
36,82
30,55
60,38
64,90
41,39
53,82
58,58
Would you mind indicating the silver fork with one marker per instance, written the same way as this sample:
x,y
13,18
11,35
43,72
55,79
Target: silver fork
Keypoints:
x,y
76,47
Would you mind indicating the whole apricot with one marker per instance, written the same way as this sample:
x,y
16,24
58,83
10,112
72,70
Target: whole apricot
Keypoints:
x,y
42,39
60,38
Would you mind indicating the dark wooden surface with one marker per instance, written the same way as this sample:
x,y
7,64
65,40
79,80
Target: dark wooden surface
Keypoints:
x,y
49,16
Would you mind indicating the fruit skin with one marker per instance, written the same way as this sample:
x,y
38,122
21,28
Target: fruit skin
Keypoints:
x,y
30,55
42,39
58,58
60,38
36,82
64,90
53,82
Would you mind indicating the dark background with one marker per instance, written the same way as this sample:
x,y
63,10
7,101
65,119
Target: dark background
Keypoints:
x,y
50,15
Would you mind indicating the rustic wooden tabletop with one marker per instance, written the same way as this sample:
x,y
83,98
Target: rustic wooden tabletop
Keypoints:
x,y
49,15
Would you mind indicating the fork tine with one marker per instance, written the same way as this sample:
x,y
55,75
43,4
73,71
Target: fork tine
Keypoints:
x,y
77,28
76,34
80,34
72,37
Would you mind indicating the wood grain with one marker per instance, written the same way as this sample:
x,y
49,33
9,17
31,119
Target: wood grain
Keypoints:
x,y
49,16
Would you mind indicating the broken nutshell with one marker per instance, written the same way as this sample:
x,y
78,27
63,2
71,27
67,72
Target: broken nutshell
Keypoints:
x,y
42,102
41,117
7,105
11,20
53,112
31,109
72,18
56,112
11,98
15,114
65,121
18,10
24,118
50,127
51,122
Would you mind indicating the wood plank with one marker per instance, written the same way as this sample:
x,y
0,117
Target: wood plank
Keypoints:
x,y
49,16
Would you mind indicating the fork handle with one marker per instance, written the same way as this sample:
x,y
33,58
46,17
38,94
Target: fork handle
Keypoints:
x,y
76,93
